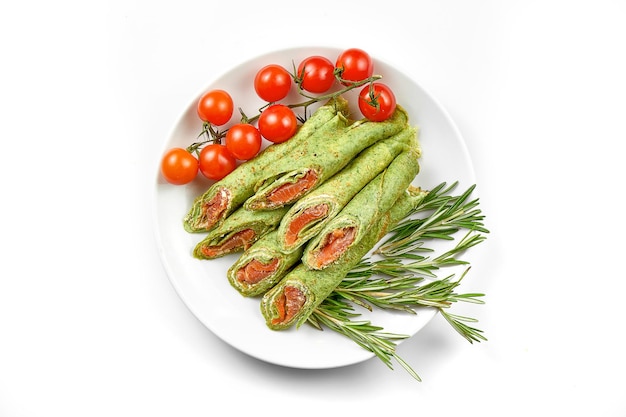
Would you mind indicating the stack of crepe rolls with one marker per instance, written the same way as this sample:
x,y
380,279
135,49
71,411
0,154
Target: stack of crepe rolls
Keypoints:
x,y
301,216
260,267
294,298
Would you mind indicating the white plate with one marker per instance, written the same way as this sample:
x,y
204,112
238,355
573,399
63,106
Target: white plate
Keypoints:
x,y
203,286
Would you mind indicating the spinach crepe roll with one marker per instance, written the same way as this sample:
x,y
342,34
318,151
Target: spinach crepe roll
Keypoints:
x,y
352,223
261,266
226,195
292,300
315,161
238,232
310,213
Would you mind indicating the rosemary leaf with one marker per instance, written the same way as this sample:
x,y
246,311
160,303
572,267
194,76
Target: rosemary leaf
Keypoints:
x,y
457,322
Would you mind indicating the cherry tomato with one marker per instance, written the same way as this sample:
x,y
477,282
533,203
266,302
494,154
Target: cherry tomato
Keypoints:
x,y
215,107
178,166
278,123
377,102
316,74
272,83
243,140
216,161
354,65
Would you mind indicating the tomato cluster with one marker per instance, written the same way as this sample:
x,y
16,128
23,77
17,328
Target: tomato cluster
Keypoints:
x,y
276,122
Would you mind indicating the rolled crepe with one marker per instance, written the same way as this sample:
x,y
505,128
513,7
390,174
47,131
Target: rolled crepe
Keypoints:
x,y
292,300
352,223
310,214
318,159
261,266
238,232
228,194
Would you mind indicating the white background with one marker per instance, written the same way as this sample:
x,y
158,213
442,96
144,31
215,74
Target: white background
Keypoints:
x,y
89,322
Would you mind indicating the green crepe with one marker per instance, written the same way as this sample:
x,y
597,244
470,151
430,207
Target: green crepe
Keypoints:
x,y
353,221
225,196
292,300
326,201
261,266
238,232
318,159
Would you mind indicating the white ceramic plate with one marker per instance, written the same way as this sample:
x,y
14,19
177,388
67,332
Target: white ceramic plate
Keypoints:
x,y
203,286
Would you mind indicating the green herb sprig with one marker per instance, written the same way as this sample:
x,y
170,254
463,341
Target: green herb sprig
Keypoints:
x,y
398,276
446,216
338,315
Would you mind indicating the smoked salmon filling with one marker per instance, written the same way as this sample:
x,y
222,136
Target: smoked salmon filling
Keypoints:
x,y
288,305
333,245
288,193
284,304
212,210
237,241
255,271
206,213
286,190
304,220
261,266
238,232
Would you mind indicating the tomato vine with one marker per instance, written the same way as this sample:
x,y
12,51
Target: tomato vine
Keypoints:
x,y
314,78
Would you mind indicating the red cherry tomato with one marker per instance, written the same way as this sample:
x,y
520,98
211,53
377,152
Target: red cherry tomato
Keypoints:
x,y
277,123
377,102
244,141
178,166
215,107
272,83
316,74
216,161
354,65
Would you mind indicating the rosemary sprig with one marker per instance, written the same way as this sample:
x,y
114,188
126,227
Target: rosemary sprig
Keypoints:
x,y
337,315
404,293
416,264
457,322
399,277
448,215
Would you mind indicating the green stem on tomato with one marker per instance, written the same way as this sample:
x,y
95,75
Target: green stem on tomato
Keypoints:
x,y
351,85
212,135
